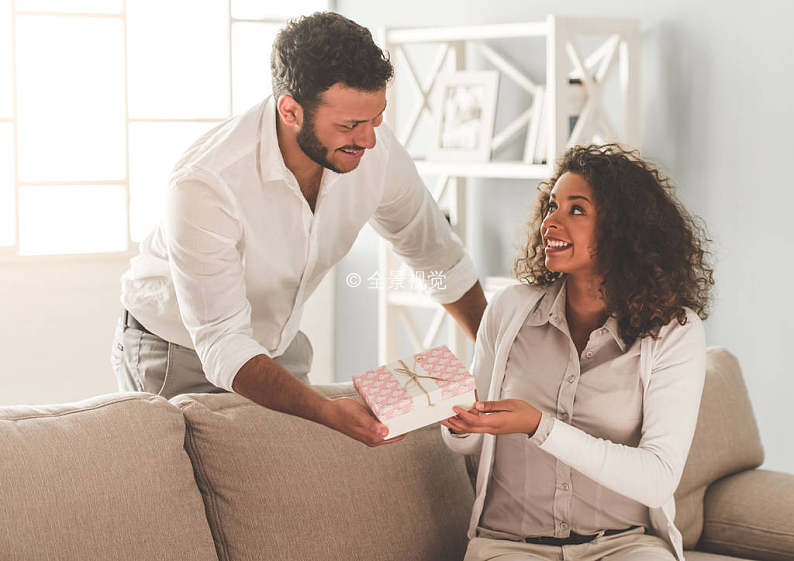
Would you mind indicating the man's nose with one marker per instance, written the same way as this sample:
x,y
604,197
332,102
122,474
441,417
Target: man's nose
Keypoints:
x,y
365,137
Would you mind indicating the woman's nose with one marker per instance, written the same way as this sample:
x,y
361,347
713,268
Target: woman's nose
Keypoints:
x,y
550,222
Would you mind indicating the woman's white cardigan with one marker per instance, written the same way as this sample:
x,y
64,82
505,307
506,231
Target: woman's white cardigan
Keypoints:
x,y
672,369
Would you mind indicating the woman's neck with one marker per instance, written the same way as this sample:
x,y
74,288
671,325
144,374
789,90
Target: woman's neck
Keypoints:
x,y
585,307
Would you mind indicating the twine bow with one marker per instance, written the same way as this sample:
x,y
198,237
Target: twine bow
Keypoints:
x,y
414,377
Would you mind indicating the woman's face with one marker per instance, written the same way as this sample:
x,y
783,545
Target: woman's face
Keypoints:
x,y
569,227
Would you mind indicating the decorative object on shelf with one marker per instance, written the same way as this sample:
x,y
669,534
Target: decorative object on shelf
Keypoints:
x,y
465,111
535,147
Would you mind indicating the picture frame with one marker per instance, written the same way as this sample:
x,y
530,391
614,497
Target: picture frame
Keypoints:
x,y
464,114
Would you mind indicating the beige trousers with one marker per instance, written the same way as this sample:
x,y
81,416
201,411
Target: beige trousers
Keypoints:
x,y
143,362
632,545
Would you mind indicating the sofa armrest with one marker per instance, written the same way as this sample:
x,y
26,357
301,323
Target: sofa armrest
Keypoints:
x,y
750,514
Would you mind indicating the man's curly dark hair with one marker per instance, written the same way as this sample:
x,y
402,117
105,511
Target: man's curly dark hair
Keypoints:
x,y
314,52
651,254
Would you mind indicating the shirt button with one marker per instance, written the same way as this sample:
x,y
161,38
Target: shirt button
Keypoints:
x,y
571,379
588,354
563,525
563,415
565,486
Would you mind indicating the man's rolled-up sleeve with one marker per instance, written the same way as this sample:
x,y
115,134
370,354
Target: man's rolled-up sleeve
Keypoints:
x,y
202,236
409,218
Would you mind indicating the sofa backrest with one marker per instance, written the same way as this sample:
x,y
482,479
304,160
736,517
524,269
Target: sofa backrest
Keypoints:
x,y
282,488
726,440
103,478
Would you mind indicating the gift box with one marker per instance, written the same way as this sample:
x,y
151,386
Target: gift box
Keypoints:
x,y
414,392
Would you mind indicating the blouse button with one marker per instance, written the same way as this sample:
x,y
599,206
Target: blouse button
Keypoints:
x,y
571,379
588,354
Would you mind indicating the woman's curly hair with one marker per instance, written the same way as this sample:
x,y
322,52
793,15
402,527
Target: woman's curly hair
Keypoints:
x,y
650,252
312,53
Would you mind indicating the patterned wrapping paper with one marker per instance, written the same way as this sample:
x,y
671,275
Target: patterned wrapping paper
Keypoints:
x,y
419,382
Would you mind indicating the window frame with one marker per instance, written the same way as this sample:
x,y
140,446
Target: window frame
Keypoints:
x,y
11,253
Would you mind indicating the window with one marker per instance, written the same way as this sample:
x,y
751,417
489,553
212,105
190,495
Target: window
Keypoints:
x,y
99,97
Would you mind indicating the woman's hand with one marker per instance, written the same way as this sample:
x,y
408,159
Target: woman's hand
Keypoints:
x,y
506,416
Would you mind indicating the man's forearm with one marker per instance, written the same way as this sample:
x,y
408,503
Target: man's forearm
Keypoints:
x,y
468,310
266,382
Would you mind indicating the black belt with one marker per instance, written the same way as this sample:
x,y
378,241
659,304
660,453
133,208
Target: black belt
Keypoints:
x,y
574,538
130,321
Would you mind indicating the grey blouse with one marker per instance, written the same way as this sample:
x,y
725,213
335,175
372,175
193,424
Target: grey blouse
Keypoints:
x,y
600,392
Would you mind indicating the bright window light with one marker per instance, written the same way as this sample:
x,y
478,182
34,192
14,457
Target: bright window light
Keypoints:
x,y
8,210
251,47
70,107
65,219
154,150
178,56
72,6
256,9
6,73
98,100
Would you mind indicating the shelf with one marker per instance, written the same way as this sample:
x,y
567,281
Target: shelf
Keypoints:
x,y
500,170
468,32
415,299
613,49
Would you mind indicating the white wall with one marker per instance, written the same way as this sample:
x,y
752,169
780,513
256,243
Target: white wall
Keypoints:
x,y
57,321
718,118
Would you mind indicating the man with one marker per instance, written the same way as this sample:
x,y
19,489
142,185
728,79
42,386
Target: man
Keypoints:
x,y
259,209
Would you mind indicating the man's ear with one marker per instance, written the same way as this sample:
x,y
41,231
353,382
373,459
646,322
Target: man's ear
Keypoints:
x,y
289,110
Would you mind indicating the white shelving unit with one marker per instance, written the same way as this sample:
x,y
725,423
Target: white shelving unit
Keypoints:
x,y
575,85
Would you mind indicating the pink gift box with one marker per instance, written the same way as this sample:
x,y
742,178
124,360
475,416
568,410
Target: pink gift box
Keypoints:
x,y
414,392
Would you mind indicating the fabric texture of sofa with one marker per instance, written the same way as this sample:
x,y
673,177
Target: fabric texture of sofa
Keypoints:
x,y
217,477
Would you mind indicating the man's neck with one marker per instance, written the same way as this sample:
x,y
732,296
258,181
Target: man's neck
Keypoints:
x,y
306,171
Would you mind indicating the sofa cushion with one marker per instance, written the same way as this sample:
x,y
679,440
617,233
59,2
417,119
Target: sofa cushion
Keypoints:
x,y
751,514
104,478
282,488
726,440
703,556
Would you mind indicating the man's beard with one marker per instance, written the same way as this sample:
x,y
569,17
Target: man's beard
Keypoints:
x,y
313,148
311,145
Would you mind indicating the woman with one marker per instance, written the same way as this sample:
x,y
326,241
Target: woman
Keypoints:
x,y
593,367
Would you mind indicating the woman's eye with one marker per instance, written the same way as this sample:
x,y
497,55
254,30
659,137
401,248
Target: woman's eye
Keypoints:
x,y
350,127
577,210
552,208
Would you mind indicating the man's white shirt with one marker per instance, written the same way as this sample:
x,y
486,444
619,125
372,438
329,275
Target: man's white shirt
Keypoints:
x,y
238,250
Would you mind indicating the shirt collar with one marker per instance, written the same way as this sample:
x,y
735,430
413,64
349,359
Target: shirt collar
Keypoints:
x,y
271,162
551,309
611,325
548,305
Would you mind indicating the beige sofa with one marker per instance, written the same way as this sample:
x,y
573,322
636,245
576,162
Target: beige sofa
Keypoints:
x,y
217,477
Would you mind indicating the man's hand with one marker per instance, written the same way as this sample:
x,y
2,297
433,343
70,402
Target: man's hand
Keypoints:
x,y
266,382
355,420
507,416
